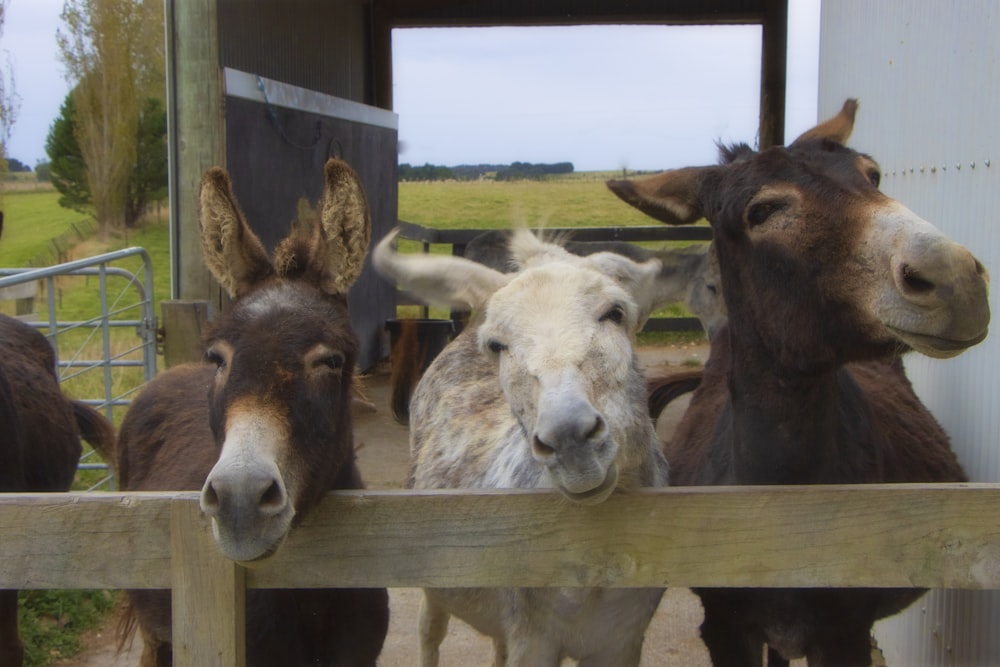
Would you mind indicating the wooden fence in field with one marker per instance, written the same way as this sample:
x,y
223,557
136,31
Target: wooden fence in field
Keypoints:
x,y
906,535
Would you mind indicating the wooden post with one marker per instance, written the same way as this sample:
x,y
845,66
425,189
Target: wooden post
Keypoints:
x,y
208,594
183,321
196,139
773,73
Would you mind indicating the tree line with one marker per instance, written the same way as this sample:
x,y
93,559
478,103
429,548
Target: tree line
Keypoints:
x,y
471,172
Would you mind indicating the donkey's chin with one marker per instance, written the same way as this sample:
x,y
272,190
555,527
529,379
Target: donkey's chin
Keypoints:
x,y
936,346
597,494
244,550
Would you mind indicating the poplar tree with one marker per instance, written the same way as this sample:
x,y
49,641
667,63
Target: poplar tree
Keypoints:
x,y
113,53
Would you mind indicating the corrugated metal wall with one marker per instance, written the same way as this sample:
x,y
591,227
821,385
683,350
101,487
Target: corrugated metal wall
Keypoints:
x,y
926,74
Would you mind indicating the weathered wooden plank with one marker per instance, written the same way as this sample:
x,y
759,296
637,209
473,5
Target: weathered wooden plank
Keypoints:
x,y
208,595
937,536
85,540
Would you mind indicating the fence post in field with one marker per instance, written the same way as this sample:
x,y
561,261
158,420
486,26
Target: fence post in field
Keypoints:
x,y
208,594
183,321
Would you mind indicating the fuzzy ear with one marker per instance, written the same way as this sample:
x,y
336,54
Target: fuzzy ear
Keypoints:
x,y
345,229
673,197
837,129
451,282
639,279
233,253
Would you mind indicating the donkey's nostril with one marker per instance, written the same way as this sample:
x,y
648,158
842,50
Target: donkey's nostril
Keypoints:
x,y
209,499
597,430
273,497
542,450
914,282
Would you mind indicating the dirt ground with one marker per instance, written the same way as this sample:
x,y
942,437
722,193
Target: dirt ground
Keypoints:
x,y
672,638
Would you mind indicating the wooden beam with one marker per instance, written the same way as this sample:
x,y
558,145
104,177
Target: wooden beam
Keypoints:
x,y
906,535
208,598
196,138
183,322
85,540
773,73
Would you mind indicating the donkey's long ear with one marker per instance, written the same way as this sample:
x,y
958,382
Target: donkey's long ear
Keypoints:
x,y
673,197
836,129
345,229
640,279
233,253
451,282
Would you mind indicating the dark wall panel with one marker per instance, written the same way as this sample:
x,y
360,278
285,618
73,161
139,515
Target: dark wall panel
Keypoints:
x,y
317,45
276,161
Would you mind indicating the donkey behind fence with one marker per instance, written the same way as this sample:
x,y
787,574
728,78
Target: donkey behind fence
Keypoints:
x,y
40,431
542,389
826,281
263,428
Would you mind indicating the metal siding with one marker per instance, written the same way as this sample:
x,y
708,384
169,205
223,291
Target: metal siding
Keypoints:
x,y
925,73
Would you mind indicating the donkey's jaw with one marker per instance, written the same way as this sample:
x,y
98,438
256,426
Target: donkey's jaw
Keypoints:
x,y
930,292
248,499
597,494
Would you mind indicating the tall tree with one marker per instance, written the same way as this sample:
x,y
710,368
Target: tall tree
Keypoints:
x,y
113,52
67,169
147,181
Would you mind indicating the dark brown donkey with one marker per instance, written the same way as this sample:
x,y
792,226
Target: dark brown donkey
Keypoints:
x,y
40,431
263,427
826,281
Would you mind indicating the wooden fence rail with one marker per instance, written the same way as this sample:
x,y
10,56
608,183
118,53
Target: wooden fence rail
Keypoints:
x,y
920,535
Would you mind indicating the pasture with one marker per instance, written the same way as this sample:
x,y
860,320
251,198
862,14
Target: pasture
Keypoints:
x,y
574,200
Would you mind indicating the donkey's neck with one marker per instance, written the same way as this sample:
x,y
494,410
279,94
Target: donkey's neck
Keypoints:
x,y
786,424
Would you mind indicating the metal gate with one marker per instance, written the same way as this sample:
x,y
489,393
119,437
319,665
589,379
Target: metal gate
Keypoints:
x,y
102,358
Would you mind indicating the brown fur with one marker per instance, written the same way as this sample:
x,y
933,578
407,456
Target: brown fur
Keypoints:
x,y
40,432
407,359
278,383
805,383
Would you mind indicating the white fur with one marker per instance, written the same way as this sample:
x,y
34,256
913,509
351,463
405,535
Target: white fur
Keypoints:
x,y
565,375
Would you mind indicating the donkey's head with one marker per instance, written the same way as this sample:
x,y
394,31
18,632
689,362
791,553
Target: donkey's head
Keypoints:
x,y
817,264
558,335
285,353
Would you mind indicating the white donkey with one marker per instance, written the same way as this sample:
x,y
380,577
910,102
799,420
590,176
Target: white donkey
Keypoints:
x,y
541,390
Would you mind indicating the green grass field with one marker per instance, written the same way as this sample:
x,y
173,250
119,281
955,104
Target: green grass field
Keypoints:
x,y
578,200
31,220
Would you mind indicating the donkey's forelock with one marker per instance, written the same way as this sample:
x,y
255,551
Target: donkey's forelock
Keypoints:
x,y
529,249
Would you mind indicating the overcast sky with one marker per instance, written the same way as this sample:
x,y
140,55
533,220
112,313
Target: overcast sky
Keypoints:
x,y
601,97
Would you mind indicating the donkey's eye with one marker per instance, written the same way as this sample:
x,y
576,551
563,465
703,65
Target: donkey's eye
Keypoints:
x,y
615,314
874,176
495,346
213,357
334,362
759,212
